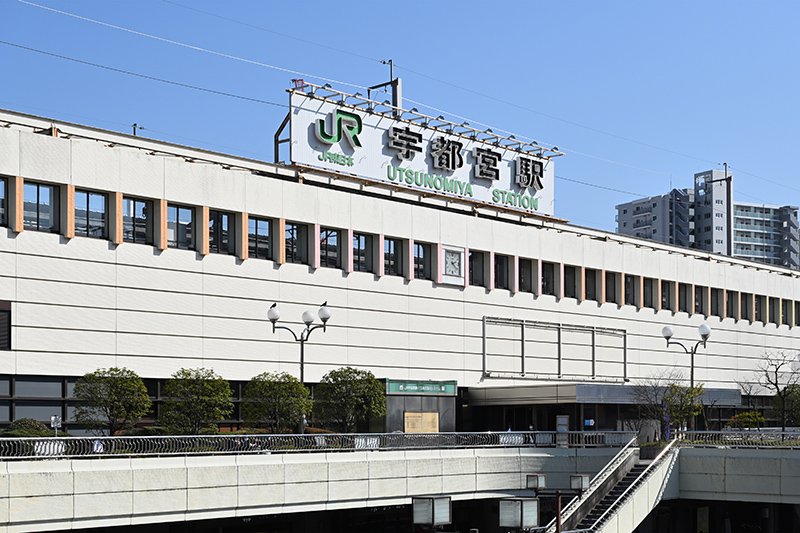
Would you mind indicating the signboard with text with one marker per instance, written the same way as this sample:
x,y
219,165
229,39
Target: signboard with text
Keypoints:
x,y
415,154
434,388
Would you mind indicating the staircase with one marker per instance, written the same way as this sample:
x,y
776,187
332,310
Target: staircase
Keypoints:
x,y
603,505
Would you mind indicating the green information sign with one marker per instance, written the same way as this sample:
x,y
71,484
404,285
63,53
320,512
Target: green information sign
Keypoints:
x,y
433,388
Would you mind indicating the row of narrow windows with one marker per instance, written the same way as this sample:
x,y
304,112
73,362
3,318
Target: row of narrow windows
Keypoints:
x,y
91,212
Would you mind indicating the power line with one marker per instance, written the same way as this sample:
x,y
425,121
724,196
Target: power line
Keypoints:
x,y
189,46
143,76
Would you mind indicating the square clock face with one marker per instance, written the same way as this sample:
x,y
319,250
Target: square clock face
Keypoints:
x,y
452,263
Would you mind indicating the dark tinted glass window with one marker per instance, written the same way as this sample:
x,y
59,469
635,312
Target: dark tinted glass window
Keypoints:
x,y
329,255
362,252
259,238
137,220
683,297
699,300
630,289
5,328
422,260
501,266
649,296
3,202
526,275
590,281
611,287
296,236
393,257
570,282
732,302
548,278
40,207
221,239
476,276
666,295
90,214
180,227
716,302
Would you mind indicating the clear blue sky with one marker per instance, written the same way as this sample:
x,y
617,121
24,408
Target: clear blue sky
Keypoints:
x,y
639,94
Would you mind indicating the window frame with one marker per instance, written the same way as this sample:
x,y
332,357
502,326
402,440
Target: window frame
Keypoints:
x,y
546,284
178,208
526,275
218,232
254,238
3,201
422,260
89,193
149,222
297,253
392,256
362,248
502,266
55,210
5,310
328,259
476,273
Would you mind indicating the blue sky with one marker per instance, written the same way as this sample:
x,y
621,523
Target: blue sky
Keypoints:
x,y
639,94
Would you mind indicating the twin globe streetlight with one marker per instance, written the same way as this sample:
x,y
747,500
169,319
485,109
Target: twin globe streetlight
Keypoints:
x,y
704,331
324,314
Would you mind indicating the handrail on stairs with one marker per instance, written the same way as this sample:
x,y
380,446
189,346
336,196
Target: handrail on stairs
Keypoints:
x,y
622,497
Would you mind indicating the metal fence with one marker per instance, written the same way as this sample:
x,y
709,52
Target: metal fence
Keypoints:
x,y
72,447
739,439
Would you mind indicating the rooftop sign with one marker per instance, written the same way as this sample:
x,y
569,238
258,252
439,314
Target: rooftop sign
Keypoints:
x,y
346,134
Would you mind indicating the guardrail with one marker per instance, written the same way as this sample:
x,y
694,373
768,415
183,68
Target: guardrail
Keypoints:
x,y
93,447
739,439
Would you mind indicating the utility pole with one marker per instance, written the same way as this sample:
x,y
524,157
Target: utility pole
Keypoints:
x,y
729,185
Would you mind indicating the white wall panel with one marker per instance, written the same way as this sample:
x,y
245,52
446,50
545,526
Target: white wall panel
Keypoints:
x,y
9,152
44,158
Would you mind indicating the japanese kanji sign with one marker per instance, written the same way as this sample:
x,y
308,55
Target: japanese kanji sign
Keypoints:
x,y
345,139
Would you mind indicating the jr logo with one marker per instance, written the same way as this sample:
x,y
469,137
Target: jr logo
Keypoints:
x,y
341,122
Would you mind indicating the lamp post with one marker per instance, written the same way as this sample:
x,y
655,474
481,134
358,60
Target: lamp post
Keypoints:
x,y
308,317
704,331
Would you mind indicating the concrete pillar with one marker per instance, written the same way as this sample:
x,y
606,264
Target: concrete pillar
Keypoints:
x,y
513,275
201,234
602,296
581,280
67,211
439,270
115,217
280,240
640,302
408,259
314,246
489,272
160,224
674,297
621,289
560,282
347,250
657,294
16,204
378,257
537,272
242,237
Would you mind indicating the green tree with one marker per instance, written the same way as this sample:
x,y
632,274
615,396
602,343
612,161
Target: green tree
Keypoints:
x,y
275,401
347,396
746,419
779,373
111,399
195,400
683,403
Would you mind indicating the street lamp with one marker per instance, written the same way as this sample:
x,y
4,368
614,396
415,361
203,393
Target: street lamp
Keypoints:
x,y
704,331
324,314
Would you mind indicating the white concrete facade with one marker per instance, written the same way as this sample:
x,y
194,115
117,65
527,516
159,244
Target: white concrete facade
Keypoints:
x,y
79,303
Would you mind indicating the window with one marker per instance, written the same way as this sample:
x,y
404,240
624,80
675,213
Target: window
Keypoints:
x,y
707,215
649,296
362,252
259,238
3,202
476,276
90,214
137,220
41,207
180,227
393,257
797,313
700,300
422,260
526,275
746,307
501,266
786,311
590,282
630,289
548,278
570,281
716,302
296,239
221,237
5,325
731,304
774,310
329,255
683,297
666,295
761,308
611,287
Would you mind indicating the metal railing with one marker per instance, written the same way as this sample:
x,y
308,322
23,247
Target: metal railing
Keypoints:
x,y
93,447
599,478
628,491
739,439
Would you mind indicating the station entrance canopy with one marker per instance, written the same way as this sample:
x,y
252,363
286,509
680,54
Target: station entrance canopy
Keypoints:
x,y
376,142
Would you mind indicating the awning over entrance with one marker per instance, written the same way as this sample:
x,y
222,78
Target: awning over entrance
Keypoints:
x,y
591,393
